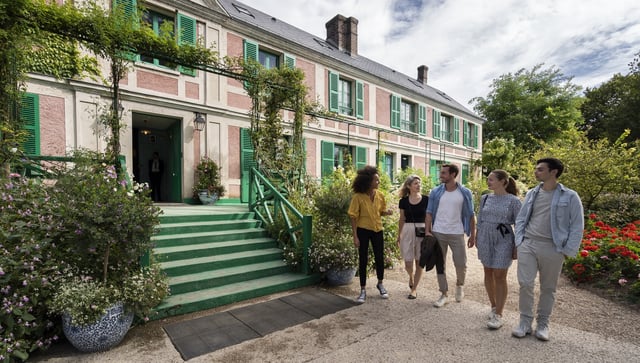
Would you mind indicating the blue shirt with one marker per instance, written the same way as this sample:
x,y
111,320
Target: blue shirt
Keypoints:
x,y
567,219
467,205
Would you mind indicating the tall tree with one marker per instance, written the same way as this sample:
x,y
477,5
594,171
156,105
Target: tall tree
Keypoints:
x,y
530,106
614,106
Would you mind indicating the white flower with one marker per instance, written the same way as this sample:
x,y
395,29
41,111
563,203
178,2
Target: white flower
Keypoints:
x,y
14,150
130,193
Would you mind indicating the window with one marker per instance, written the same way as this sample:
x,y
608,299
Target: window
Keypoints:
x,y
184,26
156,21
404,116
335,155
407,117
446,127
405,161
343,94
387,165
268,60
344,97
470,134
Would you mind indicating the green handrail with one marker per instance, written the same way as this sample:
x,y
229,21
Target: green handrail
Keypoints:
x,y
266,201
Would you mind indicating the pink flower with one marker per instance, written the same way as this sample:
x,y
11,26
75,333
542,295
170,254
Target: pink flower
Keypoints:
x,y
622,282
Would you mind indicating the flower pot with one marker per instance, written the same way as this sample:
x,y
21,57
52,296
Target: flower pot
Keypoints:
x,y
104,334
340,277
208,199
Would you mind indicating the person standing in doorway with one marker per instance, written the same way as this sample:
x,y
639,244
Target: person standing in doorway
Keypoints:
x,y
366,210
495,244
549,229
156,169
449,217
413,209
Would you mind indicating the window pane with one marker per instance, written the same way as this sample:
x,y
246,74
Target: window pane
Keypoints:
x,y
344,97
268,60
408,117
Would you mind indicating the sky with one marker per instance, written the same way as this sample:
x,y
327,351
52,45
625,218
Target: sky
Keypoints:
x,y
468,43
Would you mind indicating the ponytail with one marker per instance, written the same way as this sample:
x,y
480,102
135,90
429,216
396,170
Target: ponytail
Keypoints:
x,y
511,187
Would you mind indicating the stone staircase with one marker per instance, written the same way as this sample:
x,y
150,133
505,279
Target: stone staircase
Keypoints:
x,y
217,255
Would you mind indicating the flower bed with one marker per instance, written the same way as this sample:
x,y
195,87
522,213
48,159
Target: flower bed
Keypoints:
x,y
608,259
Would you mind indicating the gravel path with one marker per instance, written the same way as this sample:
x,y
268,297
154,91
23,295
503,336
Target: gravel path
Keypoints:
x,y
584,328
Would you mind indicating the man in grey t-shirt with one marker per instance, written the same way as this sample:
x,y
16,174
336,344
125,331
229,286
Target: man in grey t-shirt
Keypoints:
x,y
549,228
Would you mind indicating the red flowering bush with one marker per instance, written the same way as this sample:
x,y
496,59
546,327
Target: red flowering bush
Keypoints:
x,y
608,258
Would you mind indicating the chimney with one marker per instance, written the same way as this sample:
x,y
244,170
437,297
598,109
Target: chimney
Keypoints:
x,y
422,74
343,33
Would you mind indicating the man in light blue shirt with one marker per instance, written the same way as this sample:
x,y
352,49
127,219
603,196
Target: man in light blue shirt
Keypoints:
x,y
449,217
548,229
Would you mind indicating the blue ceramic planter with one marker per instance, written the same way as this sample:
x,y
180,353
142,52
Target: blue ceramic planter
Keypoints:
x,y
340,277
104,334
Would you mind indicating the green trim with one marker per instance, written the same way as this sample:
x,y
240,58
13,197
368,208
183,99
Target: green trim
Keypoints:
x,y
395,111
422,120
436,124
361,157
289,61
327,158
456,130
359,100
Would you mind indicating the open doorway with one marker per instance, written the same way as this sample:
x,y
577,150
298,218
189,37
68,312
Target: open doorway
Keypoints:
x,y
157,155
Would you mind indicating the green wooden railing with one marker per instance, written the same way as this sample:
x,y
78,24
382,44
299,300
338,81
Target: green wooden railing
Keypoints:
x,y
271,207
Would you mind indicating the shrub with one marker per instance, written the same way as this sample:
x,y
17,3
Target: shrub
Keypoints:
x,y
208,178
617,209
608,258
30,266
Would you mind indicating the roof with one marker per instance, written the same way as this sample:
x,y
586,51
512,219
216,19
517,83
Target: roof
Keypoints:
x,y
269,24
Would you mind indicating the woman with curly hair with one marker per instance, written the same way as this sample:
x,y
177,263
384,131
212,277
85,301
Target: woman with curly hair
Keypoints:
x,y
366,210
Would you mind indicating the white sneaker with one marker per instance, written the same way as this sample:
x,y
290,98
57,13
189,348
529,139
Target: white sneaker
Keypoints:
x,y
523,329
459,293
492,313
495,322
542,332
442,301
362,297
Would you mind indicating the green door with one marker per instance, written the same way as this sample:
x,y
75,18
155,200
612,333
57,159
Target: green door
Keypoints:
x,y
175,162
246,163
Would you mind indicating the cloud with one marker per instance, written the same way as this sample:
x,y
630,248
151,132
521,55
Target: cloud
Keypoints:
x,y
468,43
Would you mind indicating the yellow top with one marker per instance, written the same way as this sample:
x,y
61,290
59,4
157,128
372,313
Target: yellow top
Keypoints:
x,y
368,214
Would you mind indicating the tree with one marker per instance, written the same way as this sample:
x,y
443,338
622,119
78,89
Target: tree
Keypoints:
x,y
530,106
595,167
613,106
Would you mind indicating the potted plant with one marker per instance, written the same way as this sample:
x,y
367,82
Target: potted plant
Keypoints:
x,y
207,187
332,251
104,231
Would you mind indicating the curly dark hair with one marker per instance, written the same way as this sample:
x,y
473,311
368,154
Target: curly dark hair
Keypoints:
x,y
364,178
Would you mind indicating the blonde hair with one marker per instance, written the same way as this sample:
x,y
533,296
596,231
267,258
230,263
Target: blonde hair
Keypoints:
x,y
405,190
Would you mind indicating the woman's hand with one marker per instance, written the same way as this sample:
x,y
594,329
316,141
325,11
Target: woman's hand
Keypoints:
x,y
356,241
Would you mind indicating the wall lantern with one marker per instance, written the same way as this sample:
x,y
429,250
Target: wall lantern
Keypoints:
x,y
199,123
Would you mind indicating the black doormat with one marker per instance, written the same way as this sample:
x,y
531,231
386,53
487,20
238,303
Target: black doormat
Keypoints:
x,y
207,334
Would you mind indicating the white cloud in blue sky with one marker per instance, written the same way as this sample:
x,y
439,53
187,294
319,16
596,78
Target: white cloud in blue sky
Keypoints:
x,y
468,43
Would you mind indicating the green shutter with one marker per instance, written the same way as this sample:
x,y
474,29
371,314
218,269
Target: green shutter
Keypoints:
x,y
422,120
475,137
250,53
247,162
465,173
359,100
186,36
434,172
327,162
334,78
290,61
456,130
465,133
436,124
30,117
361,157
395,111
130,10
